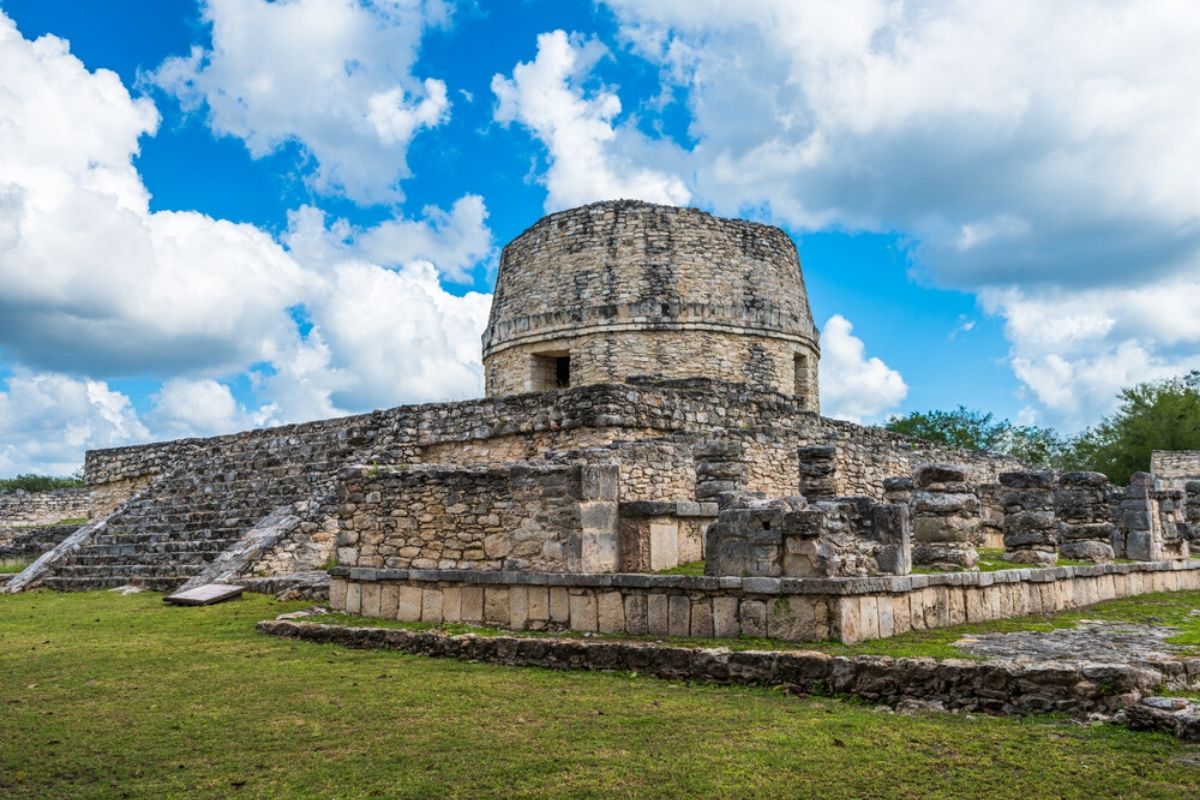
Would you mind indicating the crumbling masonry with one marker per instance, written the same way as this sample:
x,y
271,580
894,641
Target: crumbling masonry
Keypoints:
x,y
651,377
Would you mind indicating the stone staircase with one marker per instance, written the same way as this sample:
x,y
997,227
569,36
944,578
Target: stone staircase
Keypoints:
x,y
170,534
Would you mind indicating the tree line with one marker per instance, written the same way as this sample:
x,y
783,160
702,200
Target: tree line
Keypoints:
x,y
1155,415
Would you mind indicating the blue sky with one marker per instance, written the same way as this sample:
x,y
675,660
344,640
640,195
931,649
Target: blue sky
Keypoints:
x,y
990,211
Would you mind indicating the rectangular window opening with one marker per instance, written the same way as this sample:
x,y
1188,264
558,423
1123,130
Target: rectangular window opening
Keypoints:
x,y
551,370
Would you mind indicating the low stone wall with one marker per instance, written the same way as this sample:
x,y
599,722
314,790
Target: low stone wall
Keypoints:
x,y
846,609
545,516
1001,688
23,545
42,508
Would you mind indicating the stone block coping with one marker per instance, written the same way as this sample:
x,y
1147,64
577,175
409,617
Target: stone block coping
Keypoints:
x,y
891,584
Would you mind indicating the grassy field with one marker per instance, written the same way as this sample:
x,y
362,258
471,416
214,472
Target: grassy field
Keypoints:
x,y
110,696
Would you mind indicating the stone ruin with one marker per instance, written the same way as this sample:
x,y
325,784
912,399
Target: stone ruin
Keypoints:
x,y
651,381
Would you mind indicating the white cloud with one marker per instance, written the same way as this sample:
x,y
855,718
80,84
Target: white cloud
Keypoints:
x,y
454,242
48,420
94,283
90,279
589,158
1046,146
184,407
333,75
854,387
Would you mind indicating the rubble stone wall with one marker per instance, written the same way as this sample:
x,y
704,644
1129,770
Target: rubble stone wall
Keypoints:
x,y
528,516
43,508
1177,465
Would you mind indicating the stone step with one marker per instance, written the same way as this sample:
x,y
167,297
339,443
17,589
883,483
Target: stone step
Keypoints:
x,y
181,571
83,559
64,584
163,542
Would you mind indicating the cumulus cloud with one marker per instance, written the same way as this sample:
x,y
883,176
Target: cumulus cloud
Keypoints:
x,y
589,158
91,279
47,421
853,386
334,76
93,283
1046,146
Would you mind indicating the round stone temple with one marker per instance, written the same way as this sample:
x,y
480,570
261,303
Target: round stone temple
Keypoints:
x,y
617,290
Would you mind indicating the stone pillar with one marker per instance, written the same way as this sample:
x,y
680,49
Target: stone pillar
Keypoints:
x,y
1152,519
1191,511
818,472
898,490
720,468
1085,529
1030,526
945,518
891,527
599,487
991,516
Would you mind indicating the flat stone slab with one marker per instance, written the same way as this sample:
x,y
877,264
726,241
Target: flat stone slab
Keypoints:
x,y
1090,641
205,595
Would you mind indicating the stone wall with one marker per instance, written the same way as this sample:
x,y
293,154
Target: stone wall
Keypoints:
x,y
1175,465
529,516
761,362
846,609
788,537
43,508
23,545
628,288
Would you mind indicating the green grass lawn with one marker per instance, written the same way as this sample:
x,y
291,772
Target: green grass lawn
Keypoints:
x,y
1164,608
110,696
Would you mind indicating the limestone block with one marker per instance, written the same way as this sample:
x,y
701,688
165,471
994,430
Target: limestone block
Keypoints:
x,y
495,605
337,594
560,609
868,616
702,618
657,622
431,605
389,598
664,545
353,598
452,604
849,620
901,614
679,615
635,615
518,607
725,617
752,616
369,599
610,612
583,611
538,604
472,604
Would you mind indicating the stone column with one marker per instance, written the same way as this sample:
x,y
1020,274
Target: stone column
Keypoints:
x,y
1085,529
945,518
720,468
1191,511
818,472
1030,526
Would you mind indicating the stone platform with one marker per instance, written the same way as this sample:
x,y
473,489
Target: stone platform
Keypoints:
x,y
792,609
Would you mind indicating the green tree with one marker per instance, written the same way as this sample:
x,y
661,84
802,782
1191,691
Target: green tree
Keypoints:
x,y
967,429
39,483
1156,415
